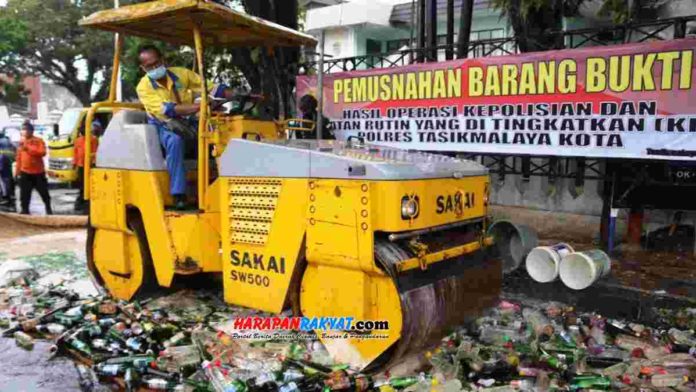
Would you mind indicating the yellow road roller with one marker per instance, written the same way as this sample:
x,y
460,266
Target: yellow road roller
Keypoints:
x,y
325,228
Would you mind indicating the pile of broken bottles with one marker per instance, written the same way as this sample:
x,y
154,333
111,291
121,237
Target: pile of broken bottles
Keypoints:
x,y
175,343
553,347
183,342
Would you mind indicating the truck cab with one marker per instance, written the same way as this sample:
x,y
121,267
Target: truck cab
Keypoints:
x,y
61,147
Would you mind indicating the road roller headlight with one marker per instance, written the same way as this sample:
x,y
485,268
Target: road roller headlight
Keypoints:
x,y
409,207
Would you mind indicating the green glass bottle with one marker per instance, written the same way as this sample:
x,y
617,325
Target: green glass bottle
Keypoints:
x,y
594,382
133,360
142,363
403,382
79,345
62,318
199,386
236,386
92,331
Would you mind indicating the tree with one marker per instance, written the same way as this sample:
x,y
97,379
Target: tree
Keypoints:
x,y
42,37
46,40
622,11
538,23
12,91
271,73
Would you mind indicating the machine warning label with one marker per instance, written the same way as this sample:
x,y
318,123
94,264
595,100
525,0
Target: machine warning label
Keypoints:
x,y
258,262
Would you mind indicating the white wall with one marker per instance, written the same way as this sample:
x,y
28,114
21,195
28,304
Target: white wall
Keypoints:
x,y
58,97
346,14
675,8
339,42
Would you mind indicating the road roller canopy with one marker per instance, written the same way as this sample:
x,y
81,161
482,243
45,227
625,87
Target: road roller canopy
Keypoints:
x,y
338,159
172,21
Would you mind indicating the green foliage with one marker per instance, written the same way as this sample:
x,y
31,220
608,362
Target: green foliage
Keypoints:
x,y
526,7
529,8
536,21
12,92
13,34
42,37
620,11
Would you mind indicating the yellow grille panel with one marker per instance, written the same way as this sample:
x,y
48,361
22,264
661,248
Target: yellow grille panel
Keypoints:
x,y
251,226
252,203
254,189
252,214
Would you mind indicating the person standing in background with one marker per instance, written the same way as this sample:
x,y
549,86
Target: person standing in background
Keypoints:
x,y
308,111
79,160
30,169
7,157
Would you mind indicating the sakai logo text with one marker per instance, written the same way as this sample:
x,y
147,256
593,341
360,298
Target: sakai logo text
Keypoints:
x,y
454,203
258,262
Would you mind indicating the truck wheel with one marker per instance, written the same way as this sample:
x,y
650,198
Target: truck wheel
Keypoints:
x,y
148,281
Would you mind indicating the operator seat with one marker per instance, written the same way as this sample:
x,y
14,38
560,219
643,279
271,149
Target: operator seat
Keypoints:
x,y
130,143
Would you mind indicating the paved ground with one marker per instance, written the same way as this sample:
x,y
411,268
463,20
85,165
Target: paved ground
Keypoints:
x,y
53,241
62,201
33,371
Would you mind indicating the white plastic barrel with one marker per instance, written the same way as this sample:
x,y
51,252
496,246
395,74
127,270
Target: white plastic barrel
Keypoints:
x,y
543,262
580,270
512,243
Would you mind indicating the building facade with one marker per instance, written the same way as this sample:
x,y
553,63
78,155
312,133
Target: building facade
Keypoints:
x,y
354,28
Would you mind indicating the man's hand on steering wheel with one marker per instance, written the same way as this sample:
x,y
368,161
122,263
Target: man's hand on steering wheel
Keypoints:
x,y
245,102
256,97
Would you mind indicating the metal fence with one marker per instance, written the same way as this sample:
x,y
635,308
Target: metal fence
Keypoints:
x,y
662,29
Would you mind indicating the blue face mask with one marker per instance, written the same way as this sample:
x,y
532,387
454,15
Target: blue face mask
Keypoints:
x,y
157,73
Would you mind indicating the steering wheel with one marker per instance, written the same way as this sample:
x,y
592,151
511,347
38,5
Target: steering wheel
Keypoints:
x,y
246,103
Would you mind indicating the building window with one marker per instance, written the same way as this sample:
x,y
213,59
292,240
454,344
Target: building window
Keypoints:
x,y
396,45
373,47
480,35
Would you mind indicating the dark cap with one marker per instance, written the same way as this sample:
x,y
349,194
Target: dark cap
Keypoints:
x,y
28,126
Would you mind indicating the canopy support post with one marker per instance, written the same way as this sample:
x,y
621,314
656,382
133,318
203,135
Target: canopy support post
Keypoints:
x,y
202,120
320,86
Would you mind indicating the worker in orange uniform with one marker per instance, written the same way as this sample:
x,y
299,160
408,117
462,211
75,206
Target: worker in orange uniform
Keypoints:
x,y
79,160
30,169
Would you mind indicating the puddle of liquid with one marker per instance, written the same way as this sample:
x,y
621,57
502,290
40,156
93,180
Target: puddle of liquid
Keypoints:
x,y
31,371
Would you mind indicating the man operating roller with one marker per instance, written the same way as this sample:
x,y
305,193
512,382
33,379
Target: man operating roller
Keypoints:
x,y
168,94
